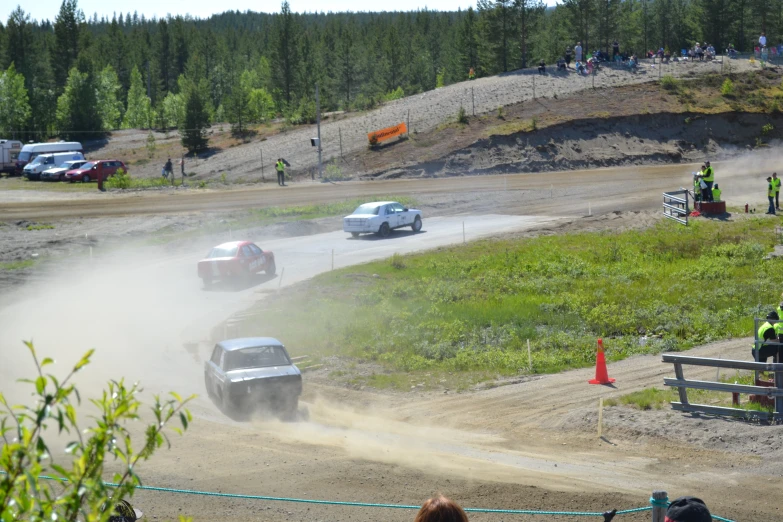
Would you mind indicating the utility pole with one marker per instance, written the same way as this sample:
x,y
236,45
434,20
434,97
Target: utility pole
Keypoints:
x,y
318,124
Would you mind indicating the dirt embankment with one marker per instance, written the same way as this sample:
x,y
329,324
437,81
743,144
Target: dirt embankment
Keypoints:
x,y
604,142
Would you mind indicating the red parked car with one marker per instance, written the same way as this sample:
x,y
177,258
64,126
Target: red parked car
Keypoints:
x,y
90,171
235,260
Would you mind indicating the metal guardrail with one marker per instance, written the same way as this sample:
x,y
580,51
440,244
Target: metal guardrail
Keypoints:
x,y
682,384
676,207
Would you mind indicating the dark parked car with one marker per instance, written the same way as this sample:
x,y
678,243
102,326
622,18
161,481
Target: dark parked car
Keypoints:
x,y
250,374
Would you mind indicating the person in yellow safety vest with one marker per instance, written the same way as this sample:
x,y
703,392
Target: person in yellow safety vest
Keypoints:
x,y
706,192
768,336
280,167
771,196
716,193
776,186
472,74
709,178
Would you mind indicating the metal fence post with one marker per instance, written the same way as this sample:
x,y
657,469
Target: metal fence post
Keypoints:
x,y
660,498
778,414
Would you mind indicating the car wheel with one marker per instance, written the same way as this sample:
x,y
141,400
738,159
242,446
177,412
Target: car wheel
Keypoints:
x,y
384,231
270,269
355,234
416,226
85,178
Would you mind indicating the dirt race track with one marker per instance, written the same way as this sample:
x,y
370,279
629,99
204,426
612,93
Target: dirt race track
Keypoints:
x,y
529,444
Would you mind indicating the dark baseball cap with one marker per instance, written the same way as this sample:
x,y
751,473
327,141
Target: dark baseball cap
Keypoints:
x,y
688,509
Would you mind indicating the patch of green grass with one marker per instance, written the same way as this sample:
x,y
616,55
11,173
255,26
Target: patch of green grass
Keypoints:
x,y
17,265
40,226
471,309
23,184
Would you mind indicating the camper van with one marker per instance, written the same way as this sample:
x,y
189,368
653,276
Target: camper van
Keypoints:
x,y
9,150
42,162
31,151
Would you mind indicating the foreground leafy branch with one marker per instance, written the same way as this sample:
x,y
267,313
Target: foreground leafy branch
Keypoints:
x,y
81,493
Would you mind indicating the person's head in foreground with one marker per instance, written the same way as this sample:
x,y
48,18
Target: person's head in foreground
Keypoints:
x,y
688,509
441,509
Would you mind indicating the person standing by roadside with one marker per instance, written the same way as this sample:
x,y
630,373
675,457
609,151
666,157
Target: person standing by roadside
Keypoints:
x,y
763,40
280,167
182,168
776,186
771,196
568,55
615,50
716,193
709,178
578,51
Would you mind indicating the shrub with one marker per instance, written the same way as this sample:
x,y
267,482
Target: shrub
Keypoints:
x,y
82,493
766,129
334,172
151,146
727,88
669,83
120,180
500,112
462,117
396,94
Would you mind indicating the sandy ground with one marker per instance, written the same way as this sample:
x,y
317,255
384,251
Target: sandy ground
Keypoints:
x,y
524,445
422,113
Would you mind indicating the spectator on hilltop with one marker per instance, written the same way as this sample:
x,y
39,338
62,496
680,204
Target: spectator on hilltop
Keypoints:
x,y
615,49
578,52
763,40
688,509
441,509
561,64
568,56
542,67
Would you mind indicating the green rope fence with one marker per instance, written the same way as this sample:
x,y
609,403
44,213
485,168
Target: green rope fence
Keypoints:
x,y
653,502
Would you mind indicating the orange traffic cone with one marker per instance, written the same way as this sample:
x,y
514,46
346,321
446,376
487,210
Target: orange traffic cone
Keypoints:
x,y
601,375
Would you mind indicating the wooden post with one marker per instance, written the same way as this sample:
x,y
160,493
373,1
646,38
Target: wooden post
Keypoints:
x,y
682,391
340,130
280,281
262,164
600,416
473,101
659,509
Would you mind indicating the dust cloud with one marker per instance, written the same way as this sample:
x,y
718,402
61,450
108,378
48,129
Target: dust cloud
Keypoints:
x,y
136,308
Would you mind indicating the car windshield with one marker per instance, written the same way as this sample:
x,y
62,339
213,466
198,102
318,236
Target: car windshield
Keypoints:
x,y
37,160
367,209
24,156
223,252
68,165
256,357
86,166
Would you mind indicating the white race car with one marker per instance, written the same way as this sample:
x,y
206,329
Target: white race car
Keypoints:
x,y
381,217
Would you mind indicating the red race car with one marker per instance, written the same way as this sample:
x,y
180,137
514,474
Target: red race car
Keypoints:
x,y
235,260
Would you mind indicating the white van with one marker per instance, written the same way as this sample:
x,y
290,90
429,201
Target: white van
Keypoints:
x,y
9,151
44,162
31,151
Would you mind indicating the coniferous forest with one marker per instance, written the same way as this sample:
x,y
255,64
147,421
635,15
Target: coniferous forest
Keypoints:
x,y
80,75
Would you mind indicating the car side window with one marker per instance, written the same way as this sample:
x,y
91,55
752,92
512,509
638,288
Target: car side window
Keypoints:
x,y
257,251
222,363
216,355
246,251
388,210
398,207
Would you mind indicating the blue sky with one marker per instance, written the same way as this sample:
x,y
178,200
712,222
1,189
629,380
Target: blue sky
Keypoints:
x,y
41,9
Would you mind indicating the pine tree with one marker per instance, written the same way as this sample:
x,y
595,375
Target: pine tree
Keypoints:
x,y
138,114
467,44
238,104
196,123
107,91
286,59
77,113
14,103
528,13
163,57
173,110
581,14
66,41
